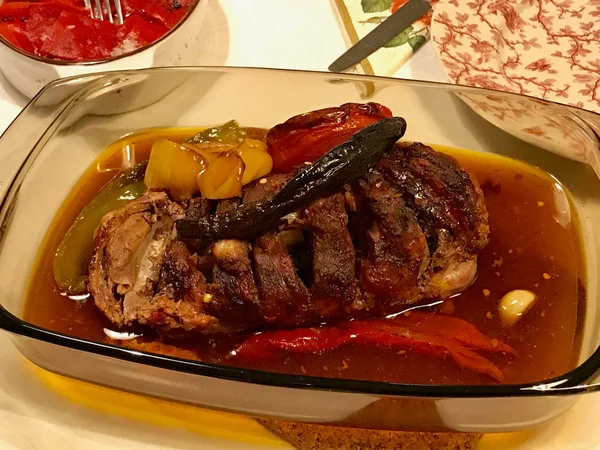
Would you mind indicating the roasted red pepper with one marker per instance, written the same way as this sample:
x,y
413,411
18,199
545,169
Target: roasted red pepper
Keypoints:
x,y
139,30
309,136
14,12
424,333
77,37
63,29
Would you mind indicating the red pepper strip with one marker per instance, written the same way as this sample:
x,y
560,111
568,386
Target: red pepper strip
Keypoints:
x,y
139,32
41,21
392,334
76,37
309,136
167,12
7,32
15,34
448,327
14,12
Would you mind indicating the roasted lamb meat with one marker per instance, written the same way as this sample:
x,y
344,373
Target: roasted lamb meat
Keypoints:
x,y
407,230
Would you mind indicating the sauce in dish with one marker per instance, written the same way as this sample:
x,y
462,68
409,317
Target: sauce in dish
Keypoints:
x,y
63,29
515,320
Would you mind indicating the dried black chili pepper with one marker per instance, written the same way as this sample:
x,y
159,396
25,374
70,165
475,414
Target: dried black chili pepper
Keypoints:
x,y
341,165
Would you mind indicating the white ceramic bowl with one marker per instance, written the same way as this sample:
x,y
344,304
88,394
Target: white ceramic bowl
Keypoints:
x,y
178,47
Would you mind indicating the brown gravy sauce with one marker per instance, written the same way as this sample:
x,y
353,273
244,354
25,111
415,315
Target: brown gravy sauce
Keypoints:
x,y
532,246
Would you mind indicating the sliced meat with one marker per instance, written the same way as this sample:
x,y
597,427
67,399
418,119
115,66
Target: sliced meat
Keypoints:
x,y
156,347
441,193
284,297
398,254
180,304
128,252
334,258
417,222
199,207
236,295
266,187
236,298
452,270
449,206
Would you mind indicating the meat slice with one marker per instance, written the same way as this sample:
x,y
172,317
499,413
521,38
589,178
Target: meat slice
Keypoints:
x,y
199,207
140,275
334,258
266,187
398,254
236,298
449,206
284,297
179,305
128,253
440,192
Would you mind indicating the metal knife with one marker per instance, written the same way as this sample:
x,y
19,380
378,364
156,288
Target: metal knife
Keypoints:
x,y
382,34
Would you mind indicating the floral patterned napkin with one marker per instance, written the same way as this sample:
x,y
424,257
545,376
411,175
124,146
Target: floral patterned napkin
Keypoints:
x,y
359,17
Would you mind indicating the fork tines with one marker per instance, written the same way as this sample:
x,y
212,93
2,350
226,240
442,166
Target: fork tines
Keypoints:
x,y
97,12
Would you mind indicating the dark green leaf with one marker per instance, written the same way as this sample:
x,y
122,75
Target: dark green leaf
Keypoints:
x,y
373,6
401,39
377,20
416,42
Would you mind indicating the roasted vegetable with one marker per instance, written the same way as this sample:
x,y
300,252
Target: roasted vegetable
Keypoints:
x,y
72,256
174,167
228,133
341,165
309,136
423,333
257,161
222,178
218,145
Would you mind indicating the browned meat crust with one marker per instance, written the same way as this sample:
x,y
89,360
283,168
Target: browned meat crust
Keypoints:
x,y
334,260
397,254
441,193
235,292
409,230
284,297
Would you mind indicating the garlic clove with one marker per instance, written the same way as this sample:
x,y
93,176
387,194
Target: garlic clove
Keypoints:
x,y
514,305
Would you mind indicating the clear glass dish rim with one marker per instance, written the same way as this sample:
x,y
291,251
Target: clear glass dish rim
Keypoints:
x,y
570,383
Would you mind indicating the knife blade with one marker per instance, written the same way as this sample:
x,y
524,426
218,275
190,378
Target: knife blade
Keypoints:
x,y
382,34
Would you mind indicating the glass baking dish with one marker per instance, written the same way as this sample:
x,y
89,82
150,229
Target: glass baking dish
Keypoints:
x,y
71,121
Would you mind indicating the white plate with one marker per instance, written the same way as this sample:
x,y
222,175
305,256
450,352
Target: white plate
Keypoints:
x,y
542,48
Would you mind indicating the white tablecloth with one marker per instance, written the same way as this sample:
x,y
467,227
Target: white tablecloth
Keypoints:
x,y
41,411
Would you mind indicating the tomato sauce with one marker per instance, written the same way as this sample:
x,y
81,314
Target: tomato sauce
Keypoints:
x,y
63,29
534,245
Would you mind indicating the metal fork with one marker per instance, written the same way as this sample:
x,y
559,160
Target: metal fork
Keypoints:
x,y
96,11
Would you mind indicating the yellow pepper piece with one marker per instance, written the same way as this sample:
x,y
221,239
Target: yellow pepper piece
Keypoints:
x,y
222,178
253,143
256,159
208,156
174,167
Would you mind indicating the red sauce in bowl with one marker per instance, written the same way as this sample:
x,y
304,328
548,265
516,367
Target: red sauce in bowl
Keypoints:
x,y
63,29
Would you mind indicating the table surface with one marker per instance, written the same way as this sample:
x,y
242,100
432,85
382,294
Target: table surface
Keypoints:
x,y
43,410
